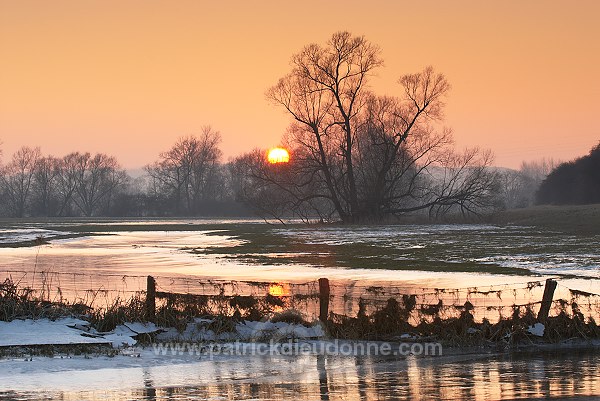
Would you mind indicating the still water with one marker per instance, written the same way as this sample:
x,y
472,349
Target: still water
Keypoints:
x,y
443,256
572,374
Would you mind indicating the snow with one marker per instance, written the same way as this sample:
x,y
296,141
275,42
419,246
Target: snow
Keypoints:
x,y
11,236
141,328
121,336
199,331
75,331
537,329
67,331
44,331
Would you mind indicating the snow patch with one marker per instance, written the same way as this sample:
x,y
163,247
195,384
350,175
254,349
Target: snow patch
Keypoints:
x,y
45,332
67,331
142,328
12,236
200,330
537,329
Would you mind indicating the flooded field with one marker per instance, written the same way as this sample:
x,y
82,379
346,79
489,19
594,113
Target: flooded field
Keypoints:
x,y
426,256
436,255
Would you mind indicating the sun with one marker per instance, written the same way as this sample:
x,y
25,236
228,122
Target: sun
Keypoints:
x,y
278,155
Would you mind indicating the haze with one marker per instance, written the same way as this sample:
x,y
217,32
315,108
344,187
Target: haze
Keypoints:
x,y
129,78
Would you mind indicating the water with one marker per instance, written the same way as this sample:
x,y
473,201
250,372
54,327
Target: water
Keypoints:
x,y
439,256
530,249
545,375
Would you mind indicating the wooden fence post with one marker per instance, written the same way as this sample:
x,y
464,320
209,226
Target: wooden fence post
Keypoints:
x,y
547,300
151,299
324,292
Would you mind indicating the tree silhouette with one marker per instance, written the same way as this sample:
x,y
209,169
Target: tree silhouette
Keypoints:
x,y
365,156
573,183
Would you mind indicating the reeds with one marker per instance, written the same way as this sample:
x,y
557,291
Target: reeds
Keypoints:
x,y
391,322
18,302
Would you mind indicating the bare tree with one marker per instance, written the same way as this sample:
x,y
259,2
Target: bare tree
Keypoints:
x,y
17,178
518,187
324,95
187,173
205,167
45,186
69,175
369,156
97,179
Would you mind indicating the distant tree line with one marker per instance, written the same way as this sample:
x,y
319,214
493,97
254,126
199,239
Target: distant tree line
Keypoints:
x,y
518,188
76,184
186,180
573,183
189,179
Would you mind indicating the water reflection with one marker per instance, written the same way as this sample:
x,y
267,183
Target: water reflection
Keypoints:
x,y
305,254
323,383
466,377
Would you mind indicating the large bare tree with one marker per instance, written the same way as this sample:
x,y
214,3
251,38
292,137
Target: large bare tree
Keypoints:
x,y
369,156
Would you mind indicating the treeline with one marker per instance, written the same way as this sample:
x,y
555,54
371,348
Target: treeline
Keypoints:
x,y
518,188
573,183
186,180
363,157
190,179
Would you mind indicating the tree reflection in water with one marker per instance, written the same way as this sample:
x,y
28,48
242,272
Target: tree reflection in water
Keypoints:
x,y
459,377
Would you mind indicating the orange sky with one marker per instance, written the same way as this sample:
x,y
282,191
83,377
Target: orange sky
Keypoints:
x,y
129,77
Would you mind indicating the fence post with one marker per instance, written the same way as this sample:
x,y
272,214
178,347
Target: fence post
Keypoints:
x,y
151,299
547,300
324,292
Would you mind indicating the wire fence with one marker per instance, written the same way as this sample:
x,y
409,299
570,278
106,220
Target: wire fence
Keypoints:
x,y
344,299
93,290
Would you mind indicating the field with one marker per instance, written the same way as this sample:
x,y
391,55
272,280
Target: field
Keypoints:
x,y
582,219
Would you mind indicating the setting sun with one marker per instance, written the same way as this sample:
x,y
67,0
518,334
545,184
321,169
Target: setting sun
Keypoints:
x,y
278,155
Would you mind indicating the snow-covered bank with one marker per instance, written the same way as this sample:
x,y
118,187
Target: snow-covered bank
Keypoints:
x,y
68,331
129,367
147,373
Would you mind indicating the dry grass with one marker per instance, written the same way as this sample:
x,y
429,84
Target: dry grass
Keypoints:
x,y
118,312
391,321
22,302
